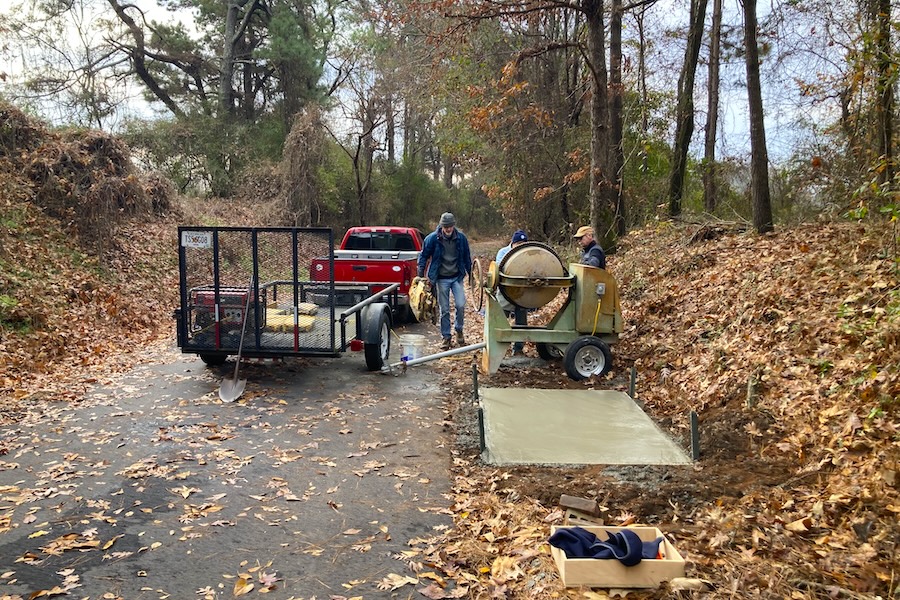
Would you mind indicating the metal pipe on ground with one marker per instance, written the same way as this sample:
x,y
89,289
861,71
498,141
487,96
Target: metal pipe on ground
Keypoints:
x,y
445,354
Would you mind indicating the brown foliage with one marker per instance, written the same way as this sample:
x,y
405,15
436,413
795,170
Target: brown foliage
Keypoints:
x,y
19,133
786,346
85,179
60,313
287,193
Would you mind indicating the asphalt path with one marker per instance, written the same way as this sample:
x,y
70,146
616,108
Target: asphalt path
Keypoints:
x,y
311,485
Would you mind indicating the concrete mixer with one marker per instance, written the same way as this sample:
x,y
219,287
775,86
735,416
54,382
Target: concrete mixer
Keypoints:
x,y
530,276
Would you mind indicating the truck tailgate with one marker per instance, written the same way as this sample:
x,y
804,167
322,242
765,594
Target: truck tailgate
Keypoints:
x,y
372,266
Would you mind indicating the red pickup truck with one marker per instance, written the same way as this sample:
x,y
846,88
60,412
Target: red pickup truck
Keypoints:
x,y
375,254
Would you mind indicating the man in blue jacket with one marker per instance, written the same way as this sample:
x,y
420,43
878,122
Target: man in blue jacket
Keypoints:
x,y
451,261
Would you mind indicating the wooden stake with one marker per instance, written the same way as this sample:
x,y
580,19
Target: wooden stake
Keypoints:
x,y
695,436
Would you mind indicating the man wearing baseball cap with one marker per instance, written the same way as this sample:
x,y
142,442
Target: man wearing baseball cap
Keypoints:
x,y
511,310
591,252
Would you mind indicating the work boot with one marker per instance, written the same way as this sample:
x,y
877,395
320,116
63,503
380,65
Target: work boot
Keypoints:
x,y
460,338
445,345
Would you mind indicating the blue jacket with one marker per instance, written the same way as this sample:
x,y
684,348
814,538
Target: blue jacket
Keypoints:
x,y
433,250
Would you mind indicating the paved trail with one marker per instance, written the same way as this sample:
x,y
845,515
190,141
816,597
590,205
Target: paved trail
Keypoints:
x,y
311,485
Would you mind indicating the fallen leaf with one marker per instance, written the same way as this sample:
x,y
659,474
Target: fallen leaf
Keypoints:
x,y
393,581
242,586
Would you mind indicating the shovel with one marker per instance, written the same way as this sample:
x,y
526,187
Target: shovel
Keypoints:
x,y
231,389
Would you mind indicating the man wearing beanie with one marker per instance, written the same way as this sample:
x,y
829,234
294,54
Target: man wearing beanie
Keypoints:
x,y
520,314
447,249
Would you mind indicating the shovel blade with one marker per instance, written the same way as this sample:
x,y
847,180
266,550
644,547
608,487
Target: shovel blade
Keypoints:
x,y
231,389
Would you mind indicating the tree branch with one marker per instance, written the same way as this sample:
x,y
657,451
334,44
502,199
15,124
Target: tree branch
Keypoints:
x,y
138,55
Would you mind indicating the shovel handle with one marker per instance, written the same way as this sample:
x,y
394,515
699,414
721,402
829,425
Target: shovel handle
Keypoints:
x,y
237,363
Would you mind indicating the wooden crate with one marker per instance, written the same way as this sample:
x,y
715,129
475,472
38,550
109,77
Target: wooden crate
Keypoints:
x,y
610,573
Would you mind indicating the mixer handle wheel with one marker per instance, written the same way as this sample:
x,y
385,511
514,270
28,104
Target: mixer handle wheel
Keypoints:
x,y
476,283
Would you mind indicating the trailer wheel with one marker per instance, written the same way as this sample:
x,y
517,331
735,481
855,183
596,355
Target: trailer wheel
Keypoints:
x,y
377,352
549,352
587,356
213,360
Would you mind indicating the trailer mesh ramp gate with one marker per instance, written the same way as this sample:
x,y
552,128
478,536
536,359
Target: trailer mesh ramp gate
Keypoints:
x,y
571,427
265,271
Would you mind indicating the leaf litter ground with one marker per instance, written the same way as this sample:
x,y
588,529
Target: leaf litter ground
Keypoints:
x,y
786,346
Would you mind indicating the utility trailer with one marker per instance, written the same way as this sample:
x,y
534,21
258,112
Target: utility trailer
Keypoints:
x,y
254,282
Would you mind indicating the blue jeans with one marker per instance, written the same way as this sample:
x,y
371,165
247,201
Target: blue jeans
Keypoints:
x,y
444,287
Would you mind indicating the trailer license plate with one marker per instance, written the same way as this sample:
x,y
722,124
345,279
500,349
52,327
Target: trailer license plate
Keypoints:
x,y
196,239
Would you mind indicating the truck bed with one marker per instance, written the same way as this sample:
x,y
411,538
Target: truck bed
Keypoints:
x,y
378,267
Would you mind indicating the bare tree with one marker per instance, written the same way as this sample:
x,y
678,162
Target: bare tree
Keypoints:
x,y
884,86
684,117
59,63
616,93
712,114
642,86
601,186
759,159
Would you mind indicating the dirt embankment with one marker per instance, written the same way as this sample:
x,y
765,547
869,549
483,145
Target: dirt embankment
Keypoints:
x,y
786,347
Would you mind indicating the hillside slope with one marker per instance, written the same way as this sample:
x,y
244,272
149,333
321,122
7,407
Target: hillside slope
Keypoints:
x,y
787,346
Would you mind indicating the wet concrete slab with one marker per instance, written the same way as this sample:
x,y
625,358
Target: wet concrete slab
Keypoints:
x,y
572,427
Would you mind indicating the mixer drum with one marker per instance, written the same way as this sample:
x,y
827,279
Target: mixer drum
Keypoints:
x,y
531,275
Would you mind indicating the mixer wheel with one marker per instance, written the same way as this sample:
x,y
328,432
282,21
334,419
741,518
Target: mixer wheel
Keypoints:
x,y
548,351
587,356
476,282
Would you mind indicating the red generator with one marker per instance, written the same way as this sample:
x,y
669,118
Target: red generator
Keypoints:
x,y
231,304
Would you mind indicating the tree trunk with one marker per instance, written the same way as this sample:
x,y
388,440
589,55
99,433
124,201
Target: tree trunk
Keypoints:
x,y
684,117
759,160
364,174
642,79
596,43
248,105
390,132
881,16
231,39
712,114
137,56
617,160
449,171
408,136
226,75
